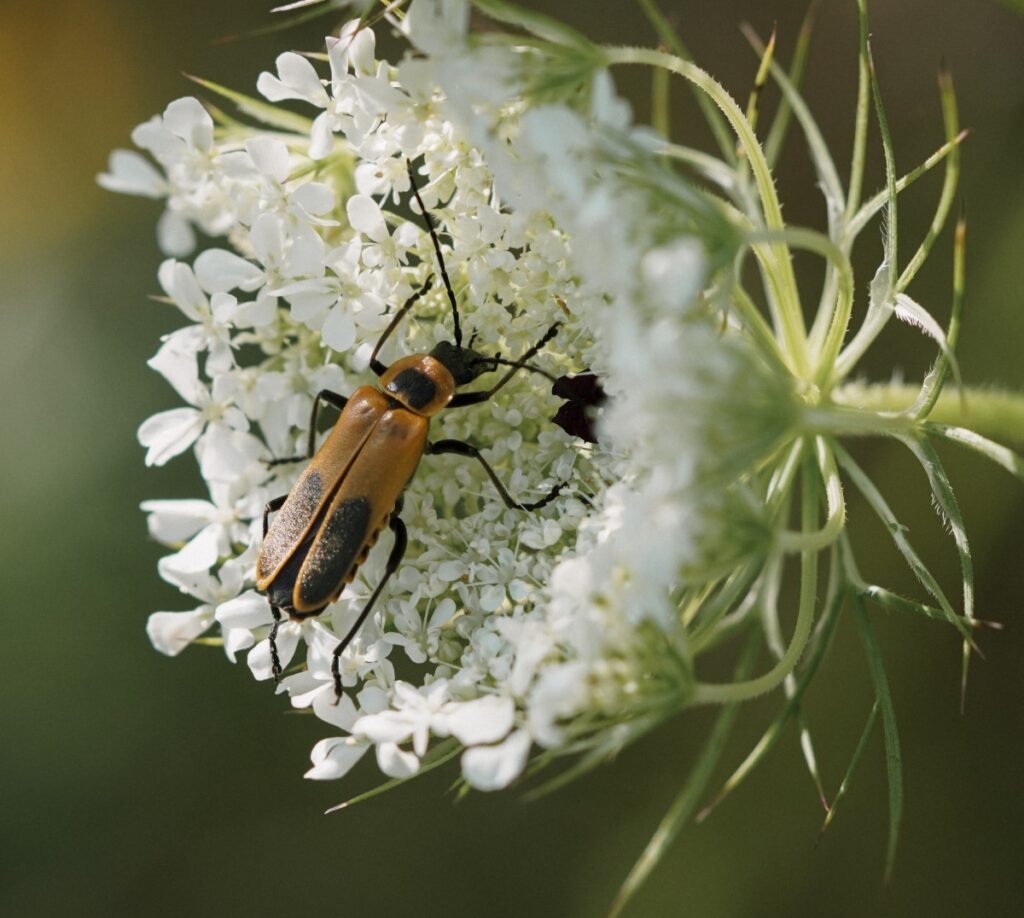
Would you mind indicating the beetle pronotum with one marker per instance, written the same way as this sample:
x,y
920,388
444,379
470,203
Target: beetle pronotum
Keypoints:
x,y
352,488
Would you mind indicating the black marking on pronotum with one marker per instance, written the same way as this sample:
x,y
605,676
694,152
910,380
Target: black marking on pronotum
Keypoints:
x,y
418,388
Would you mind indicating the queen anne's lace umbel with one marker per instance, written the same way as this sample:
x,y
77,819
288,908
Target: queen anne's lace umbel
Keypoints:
x,y
516,639
512,631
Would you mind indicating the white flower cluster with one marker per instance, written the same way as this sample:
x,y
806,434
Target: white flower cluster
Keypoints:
x,y
513,631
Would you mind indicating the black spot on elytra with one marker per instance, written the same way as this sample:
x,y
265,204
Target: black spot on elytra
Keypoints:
x,y
415,387
343,536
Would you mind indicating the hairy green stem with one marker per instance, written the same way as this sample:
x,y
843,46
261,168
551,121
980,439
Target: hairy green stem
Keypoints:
x,y
995,414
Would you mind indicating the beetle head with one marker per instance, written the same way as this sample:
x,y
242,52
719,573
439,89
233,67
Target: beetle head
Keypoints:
x,y
463,363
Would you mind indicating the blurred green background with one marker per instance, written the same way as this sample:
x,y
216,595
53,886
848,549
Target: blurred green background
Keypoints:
x,y
133,783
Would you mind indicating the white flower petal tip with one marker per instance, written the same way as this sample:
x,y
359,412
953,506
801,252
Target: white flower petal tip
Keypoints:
x,y
490,768
484,720
172,632
334,758
395,762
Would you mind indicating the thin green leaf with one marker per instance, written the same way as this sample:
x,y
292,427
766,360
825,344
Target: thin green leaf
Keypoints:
x,y
704,164
821,157
876,319
858,754
911,312
767,56
820,643
619,737
860,131
780,123
933,384
301,12
878,201
949,508
898,532
1001,455
683,806
264,112
441,753
893,761
951,122
714,118
544,27
893,602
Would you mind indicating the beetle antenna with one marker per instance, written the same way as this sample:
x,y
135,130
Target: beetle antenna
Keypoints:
x,y
437,249
501,361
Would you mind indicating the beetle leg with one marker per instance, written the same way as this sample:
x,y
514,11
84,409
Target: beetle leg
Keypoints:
x,y
336,400
462,399
275,659
375,364
272,507
460,448
394,559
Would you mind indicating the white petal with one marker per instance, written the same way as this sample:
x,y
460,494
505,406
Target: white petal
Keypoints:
x,y
437,27
235,641
180,284
181,370
270,157
259,660
492,597
225,454
200,554
395,763
219,271
248,611
364,215
256,314
190,121
483,720
341,713
169,433
306,256
490,768
302,688
315,198
334,757
173,521
172,632
174,234
321,137
339,331
131,173
266,239
385,727
298,73
372,699
361,50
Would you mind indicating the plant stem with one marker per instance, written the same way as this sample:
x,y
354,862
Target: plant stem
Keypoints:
x,y
992,413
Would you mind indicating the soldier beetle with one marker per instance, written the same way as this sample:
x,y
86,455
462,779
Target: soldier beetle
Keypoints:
x,y
352,488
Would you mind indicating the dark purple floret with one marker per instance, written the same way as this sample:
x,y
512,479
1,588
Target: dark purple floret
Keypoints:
x,y
584,395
